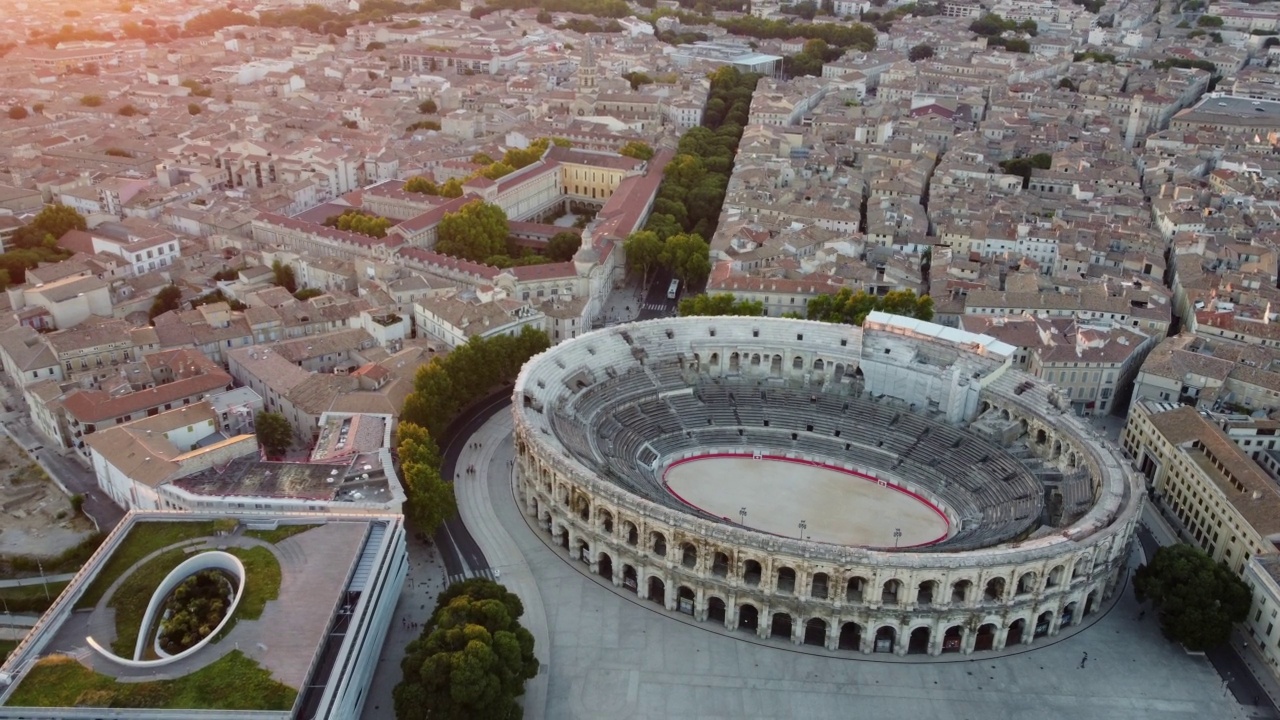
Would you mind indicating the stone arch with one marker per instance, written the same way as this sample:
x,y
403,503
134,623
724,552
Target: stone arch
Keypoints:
x,y
786,580
1072,460
582,551
775,366
815,632
891,592
918,641
657,590
985,407
994,591
604,565
1068,614
797,363
697,362
850,636
562,535
719,564
1054,578
818,365
1042,438
1015,631
685,598
716,610
733,362
855,588
658,543
953,639
1081,566
631,532
1057,449
1090,603
886,639
582,506
926,592
1043,623
715,359
986,637
1004,414
630,580
688,554
818,586
780,626
1026,583
837,372
755,360
748,617
960,590
751,573
605,520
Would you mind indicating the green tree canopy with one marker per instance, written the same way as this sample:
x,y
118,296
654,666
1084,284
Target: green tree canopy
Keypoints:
x,y
17,112
274,433
428,107
91,100
852,308
1198,600
431,498
477,231
284,276
52,221
923,51
643,251
472,659
688,257
636,149
563,245
719,304
169,298
420,184
194,109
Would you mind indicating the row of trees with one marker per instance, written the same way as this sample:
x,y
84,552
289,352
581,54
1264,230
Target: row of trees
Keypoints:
x,y
472,659
359,221
719,304
810,60
685,255
859,36
451,188
845,306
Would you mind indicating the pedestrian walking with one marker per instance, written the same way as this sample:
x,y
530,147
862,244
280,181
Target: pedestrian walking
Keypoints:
x,y
1084,660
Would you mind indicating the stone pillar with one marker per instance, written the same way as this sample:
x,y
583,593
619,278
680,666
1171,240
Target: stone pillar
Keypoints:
x,y
1055,624
573,544
617,571
866,643
970,641
901,642
765,623
730,614
669,593
935,640
699,605
833,634
1002,636
797,631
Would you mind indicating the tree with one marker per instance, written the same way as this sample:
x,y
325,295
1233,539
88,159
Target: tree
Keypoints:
x,y
688,257
472,659
637,79
17,112
923,51
1197,600
127,111
52,221
431,499
1209,21
719,304
194,109
428,107
420,184
169,298
636,149
643,251
284,276
91,100
563,245
1067,83
375,45
477,231
852,308
274,434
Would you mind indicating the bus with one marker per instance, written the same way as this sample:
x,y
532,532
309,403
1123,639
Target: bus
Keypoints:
x,y
673,289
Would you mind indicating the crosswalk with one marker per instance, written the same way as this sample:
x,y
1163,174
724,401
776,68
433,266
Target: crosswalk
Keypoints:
x,y
656,307
485,573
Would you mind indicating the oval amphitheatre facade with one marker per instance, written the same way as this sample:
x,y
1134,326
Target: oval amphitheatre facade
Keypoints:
x,y
895,488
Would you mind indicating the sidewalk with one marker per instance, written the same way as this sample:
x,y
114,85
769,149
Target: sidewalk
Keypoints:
x,y
476,507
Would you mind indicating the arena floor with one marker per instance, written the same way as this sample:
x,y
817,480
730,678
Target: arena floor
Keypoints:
x,y
836,506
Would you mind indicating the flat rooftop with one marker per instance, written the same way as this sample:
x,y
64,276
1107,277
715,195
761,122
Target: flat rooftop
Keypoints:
x,y
252,477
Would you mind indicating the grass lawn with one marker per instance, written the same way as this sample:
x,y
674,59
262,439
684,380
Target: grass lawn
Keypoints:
x,y
142,540
6,647
262,581
233,683
31,598
281,533
131,598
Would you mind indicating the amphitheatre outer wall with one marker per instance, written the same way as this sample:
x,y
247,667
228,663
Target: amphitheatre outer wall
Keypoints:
x,y
856,599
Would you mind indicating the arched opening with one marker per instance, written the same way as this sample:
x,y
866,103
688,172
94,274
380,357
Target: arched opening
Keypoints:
x,y
994,590
604,565
815,632
1004,415
751,573
1042,437
657,591
854,588
733,362
584,510
775,366
658,542
797,363
755,360
851,636
1043,622
953,639
1026,583
562,533
584,551
720,565
924,593
715,359
1014,635
818,365
1091,603
629,578
960,592
985,407
986,638
546,520
748,618
1054,579
818,586
684,599
1071,461
885,639
715,610
606,520
1080,568
1057,450
781,626
918,641
786,580
837,372
633,535
1068,614
688,555
889,593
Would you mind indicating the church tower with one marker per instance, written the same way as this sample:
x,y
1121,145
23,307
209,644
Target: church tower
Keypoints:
x,y
587,70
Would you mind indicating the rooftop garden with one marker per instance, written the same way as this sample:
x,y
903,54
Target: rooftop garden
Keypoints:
x,y
143,539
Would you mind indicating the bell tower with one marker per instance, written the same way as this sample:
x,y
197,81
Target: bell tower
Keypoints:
x,y
587,70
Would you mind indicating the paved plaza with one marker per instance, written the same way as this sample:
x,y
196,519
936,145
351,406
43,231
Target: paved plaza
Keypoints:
x,y
610,655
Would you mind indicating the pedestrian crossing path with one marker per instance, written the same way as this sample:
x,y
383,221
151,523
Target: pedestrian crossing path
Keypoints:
x,y
485,573
656,307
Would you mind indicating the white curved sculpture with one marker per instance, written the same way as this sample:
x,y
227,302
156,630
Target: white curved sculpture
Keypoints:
x,y
211,560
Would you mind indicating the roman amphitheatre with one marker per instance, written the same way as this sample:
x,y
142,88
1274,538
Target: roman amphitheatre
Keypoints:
x,y
895,488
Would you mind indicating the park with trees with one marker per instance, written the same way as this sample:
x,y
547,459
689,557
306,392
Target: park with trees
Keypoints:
x,y
194,609
719,304
852,308
1196,599
360,221
37,242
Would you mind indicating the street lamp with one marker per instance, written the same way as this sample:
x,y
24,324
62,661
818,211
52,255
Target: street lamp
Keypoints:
x,y
803,525
897,533
742,513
